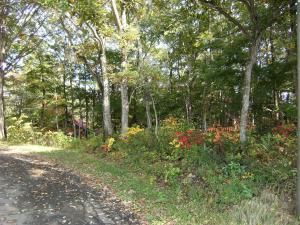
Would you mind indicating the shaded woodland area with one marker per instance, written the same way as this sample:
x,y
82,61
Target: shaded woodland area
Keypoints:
x,y
115,64
198,96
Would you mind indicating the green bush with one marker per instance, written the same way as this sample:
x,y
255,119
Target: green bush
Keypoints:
x,y
21,132
58,139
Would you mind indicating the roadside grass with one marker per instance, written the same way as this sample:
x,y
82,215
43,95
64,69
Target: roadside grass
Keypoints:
x,y
159,204
165,204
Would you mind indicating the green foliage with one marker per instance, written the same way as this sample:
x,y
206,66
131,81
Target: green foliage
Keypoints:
x,y
21,132
226,181
195,179
51,138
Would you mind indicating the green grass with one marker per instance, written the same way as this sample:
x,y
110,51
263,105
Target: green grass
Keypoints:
x,y
159,204
163,204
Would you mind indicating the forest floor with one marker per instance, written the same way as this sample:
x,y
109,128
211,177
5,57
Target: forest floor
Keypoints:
x,y
34,191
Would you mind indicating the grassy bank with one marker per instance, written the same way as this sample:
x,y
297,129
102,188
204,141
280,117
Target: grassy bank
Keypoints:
x,y
187,202
186,176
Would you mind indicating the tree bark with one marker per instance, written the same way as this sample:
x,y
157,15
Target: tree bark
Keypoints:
x,y
247,88
298,116
156,118
42,122
2,72
204,113
125,106
107,123
188,106
108,131
121,22
148,105
2,111
66,102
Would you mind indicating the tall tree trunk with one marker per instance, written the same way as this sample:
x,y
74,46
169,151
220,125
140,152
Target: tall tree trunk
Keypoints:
x,y
298,109
66,103
107,123
124,90
121,22
80,109
148,115
42,116
204,113
86,115
156,117
72,105
108,131
2,72
94,95
2,111
56,112
188,105
247,88
148,105
125,106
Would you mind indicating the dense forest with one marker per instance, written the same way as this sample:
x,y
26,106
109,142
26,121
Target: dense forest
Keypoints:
x,y
198,95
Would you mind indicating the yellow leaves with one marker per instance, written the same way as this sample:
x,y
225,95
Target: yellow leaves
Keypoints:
x,y
110,142
171,123
132,131
175,143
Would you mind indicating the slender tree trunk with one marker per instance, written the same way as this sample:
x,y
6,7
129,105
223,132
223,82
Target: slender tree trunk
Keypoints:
x,y
107,123
2,111
204,114
2,72
93,109
156,117
124,96
56,113
108,131
2,115
188,106
148,105
80,108
86,115
42,122
148,115
65,104
298,109
72,105
125,106
247,88
121,22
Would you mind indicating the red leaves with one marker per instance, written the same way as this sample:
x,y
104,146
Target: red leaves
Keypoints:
x,y
284,130
105,148
189,138
224,133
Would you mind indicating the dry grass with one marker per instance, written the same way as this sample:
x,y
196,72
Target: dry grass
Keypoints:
x,y
267,209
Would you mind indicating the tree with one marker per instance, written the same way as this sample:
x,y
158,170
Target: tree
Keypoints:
x,y
19,26
298,104
261,16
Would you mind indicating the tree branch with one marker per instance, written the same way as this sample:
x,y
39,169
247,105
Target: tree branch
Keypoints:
x,y
221,10
117,15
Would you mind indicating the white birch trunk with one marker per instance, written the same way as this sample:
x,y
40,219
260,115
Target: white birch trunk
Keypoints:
x,y
247,89
108,131
125,106
2,74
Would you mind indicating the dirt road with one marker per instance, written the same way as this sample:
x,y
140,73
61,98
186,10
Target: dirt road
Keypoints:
x,y
41,194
